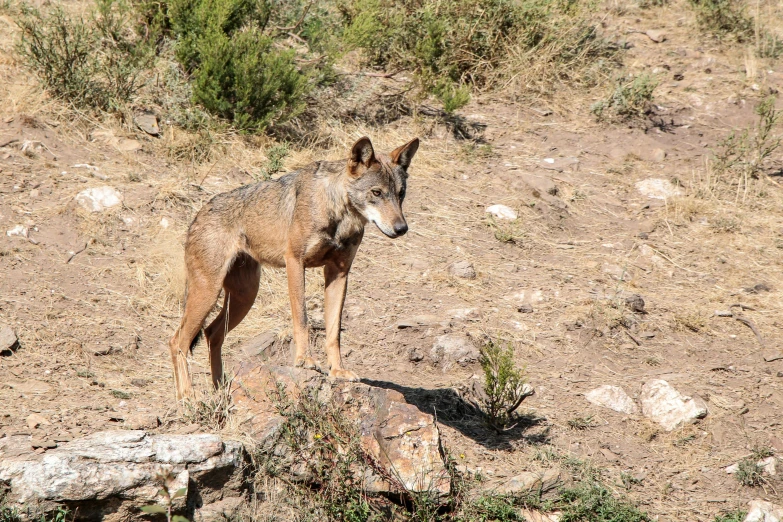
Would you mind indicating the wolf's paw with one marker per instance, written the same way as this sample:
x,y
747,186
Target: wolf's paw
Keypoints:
x,y
308,363
345,375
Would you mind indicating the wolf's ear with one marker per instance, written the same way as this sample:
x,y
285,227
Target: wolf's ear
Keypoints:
x,y
402,156
362,152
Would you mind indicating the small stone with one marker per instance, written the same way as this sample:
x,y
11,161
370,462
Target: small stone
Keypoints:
x,y
142,421
656,188
35,193
18,230
415,354
34,420
617,272
9,342
541,482
165,222
614,398
454,348
769,356
668,407
656,36
525,308
259,344
42,443
763,511
148,122
463,269
635,303
502,212
99,198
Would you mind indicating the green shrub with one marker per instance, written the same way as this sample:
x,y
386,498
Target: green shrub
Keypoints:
x,y
629,101
91,62
724,17
504,386
734,516
592,502
237,71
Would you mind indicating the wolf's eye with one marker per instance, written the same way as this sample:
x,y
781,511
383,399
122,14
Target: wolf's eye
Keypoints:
x,y
376,193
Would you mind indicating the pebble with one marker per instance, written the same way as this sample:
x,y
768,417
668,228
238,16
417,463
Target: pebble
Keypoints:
x,y
97,199
463,270
502,212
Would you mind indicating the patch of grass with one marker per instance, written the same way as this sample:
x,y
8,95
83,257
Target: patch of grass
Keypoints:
x,y
590,501
749,473
724,18
119,394
581,423
692,320
631,100
496,508
628,481
91,62
745,156
274,161
732,516
212,409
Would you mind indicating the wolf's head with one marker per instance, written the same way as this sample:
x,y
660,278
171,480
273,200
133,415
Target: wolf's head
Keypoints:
x,y
377,184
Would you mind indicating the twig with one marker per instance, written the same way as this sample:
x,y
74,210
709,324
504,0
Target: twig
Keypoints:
x,y
86,244
747,322
373,74
634,339
284,30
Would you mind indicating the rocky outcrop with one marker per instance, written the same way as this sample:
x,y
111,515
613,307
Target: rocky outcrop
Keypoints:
x,y
109,475
668,407
403,441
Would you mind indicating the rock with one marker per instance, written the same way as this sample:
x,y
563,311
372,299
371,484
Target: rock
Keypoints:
x,y
454,348
219,511
531,515
419,320
415,354
148,122
9,342
656,35
614,398
528,296
18,230
525,308
559,164
399,438
668,407
464,314
635,303
99,198
540,481
108,475
34,420
619,273
38,442
763,511
462,269
258,345
165,222
502,212
656,188
141,421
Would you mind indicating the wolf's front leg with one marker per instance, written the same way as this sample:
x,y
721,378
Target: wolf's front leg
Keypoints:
x,y
295,271
336,281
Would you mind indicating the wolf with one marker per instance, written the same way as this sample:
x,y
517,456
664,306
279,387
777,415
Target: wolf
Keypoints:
x,y
313,217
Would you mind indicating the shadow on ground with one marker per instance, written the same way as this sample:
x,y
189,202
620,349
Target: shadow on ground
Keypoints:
x,y
449,408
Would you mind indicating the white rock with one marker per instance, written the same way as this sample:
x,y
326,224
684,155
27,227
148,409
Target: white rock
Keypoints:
x,y
527,296
656,188
18,230
763,511
165,222
614,398
454,348
120,464
668,407
97,199
502,212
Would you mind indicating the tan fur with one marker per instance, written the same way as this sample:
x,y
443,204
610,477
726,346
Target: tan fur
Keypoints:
x,y
309,218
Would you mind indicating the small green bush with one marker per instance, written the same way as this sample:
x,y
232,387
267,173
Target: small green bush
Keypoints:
x,y
91,62
237,71
724,17
629,101
734,516
504,386
592,502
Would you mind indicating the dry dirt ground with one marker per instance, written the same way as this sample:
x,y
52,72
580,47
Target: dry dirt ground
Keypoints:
x,y
94,326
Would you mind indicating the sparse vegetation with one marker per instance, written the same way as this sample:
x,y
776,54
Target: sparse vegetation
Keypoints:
x,y
749,473
724,17
504,386
733,516
581,423
95,61
166,480
630,101
744,156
